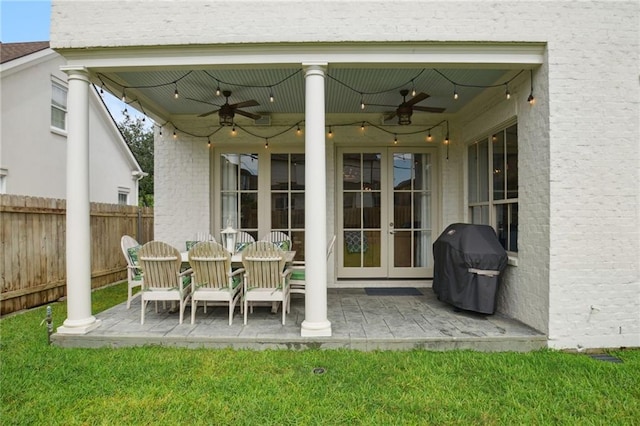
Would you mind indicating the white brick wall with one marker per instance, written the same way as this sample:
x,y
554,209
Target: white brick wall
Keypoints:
x,y
579,263
181,168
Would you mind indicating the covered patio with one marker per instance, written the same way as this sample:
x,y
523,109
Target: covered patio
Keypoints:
x,y
362,319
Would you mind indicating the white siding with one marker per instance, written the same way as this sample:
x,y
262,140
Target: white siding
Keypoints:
x,y
35,156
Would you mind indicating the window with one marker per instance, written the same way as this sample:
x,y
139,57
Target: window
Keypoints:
x,y
58,106
239,192
263,192
123,196
287,198
493,184
3,181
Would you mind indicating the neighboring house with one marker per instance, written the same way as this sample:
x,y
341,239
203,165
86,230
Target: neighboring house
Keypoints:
x,y
554,166
33,147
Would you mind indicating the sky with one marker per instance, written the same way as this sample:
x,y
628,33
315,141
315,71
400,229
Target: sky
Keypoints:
x,y
30,20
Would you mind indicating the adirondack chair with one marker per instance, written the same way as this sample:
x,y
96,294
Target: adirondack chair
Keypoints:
x,y
243,239
200,236
160,264
279,238
298,278
130,248
265,276
212,279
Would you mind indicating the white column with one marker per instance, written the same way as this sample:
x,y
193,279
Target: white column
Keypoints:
x,y
315,205
79,319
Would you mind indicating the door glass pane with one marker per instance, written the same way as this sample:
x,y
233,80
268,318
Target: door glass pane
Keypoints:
x,y
229,214
279,210
402,170
422,249
402,210
371,249
402,249
371,171
297,210
279,171
352,212
297,172
248,210
422,210
351,172
498,166
512,161
422,171
297,244
353,247
371,209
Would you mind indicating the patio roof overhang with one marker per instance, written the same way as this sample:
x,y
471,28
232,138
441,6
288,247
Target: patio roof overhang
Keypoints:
x,y
369,73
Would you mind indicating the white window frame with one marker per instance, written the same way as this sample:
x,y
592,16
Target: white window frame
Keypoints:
x,y
55,105
123,191
491,205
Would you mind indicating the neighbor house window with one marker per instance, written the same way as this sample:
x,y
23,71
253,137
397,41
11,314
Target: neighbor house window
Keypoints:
x,y
3,181
58,106
493,184
123,196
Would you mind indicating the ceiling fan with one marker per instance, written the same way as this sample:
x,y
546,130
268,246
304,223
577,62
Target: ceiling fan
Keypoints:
x,y
406,108
227,111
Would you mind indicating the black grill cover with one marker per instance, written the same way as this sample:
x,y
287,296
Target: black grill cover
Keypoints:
x,y
468,261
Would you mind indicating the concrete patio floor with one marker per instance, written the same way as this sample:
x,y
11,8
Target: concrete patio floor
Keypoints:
x,y
359,321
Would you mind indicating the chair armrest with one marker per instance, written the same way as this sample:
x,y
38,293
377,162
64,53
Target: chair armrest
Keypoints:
x,y
287,272
236,272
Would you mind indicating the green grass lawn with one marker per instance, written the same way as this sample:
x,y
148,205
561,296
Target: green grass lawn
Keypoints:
x,y
41,384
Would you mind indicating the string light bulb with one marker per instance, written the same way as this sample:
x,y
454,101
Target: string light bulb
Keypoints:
x,y
330,134
395,139
429,138
175,135
233,130
413,88
218,90
176,95
266,143
271,98
209,142
507,93
160,131
124,96
455,92
298,131
362,126
362,105
446,139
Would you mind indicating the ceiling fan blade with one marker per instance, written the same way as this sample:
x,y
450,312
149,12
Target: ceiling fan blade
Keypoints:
x,y
202,102
390,115
247,114
245,104
417,98
428,109
209,113
388,106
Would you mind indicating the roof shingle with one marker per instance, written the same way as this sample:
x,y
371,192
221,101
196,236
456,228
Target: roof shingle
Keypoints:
x,y
11,51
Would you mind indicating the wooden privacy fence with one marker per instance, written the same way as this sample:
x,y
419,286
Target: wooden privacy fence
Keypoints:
x,y
33,247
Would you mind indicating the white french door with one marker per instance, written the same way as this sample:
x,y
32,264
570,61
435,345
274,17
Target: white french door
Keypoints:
x,y
386,204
